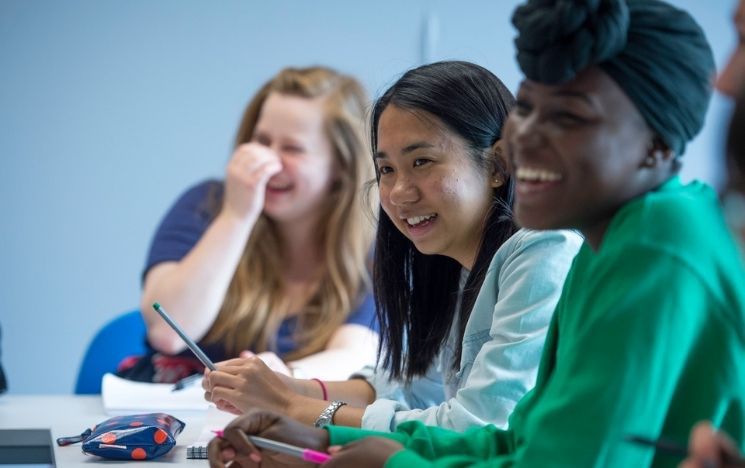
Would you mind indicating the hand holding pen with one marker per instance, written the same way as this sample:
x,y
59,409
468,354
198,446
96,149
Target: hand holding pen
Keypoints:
x,y
298,442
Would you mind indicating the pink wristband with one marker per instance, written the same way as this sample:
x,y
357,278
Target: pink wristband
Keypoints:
x,y
323,388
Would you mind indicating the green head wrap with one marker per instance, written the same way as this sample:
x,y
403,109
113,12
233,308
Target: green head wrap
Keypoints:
x,y
655,52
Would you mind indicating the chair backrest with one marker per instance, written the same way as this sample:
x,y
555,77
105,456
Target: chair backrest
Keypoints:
x,y
122,337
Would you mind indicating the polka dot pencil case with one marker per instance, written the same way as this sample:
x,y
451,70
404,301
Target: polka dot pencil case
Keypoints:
x,y
132,437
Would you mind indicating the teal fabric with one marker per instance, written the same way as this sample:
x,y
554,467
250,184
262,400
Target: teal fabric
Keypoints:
x,y
655,52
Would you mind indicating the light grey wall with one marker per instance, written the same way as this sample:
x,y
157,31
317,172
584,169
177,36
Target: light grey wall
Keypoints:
x,y
109,109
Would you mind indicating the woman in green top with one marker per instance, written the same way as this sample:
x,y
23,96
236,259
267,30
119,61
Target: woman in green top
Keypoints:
x,y
649,334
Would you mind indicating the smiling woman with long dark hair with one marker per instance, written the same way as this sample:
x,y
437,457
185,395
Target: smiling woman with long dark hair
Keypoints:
x,y
463,296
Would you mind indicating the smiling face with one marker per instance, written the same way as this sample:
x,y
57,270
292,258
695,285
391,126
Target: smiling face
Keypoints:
x,y
430,186
732,78
293,127
579,151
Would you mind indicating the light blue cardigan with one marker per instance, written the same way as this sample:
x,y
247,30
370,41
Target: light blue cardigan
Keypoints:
x,y
501,347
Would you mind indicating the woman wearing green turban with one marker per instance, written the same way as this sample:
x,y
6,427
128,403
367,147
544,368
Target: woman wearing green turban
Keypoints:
x,y
649,334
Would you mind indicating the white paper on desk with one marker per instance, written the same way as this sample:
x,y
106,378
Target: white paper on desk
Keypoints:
x,y
122,396
215,420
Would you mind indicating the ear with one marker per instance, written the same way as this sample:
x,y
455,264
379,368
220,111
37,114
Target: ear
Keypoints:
x,y
658,153
499,164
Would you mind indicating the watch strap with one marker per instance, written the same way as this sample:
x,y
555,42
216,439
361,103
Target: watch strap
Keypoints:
x,y
327,415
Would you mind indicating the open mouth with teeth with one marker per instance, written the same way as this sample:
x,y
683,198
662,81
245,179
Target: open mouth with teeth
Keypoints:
x,y
534,175
421,221
278,188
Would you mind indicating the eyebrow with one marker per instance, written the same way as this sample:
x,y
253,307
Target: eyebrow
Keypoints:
x,y
407,149
574,94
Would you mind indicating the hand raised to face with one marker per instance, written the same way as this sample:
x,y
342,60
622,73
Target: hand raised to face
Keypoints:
x,y
246,177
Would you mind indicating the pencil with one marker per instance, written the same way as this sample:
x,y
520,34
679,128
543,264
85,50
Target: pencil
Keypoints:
x,y
189,342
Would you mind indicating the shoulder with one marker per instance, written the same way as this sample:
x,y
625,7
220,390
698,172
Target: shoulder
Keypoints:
x,y
537,247
683,224
530,269
673,215
201,191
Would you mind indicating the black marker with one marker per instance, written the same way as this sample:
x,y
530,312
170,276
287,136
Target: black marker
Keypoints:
x,y
672,447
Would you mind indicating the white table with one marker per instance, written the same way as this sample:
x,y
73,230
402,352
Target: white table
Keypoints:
x,y
69,415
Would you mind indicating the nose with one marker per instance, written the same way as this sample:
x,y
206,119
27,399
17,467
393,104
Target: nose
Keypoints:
x,y
403,192
523,132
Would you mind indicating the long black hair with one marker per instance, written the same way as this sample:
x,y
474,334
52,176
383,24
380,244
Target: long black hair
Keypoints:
x,y
416,294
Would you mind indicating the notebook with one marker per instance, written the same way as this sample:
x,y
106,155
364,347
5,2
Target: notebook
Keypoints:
x,y
122,396
214,420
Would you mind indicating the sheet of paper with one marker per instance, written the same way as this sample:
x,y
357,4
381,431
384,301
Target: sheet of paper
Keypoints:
x,y
121,396
215,420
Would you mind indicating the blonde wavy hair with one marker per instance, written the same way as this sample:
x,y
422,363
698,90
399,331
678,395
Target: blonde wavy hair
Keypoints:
x,y
254,307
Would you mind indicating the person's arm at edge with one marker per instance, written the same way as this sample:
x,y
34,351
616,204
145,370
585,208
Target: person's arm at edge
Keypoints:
x,y
350,348
423,444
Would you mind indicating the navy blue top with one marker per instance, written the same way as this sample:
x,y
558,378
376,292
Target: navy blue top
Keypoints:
x,y
181,229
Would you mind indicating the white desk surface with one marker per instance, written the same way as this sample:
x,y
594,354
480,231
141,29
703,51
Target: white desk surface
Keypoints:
x,y
69,415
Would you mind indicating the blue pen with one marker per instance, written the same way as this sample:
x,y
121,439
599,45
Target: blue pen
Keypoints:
x,y
189,342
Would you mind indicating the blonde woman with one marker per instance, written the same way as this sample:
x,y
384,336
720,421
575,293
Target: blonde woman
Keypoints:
x,y
273,259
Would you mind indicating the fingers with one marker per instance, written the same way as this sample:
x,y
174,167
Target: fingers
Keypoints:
x,y
246,176
219,452
703,444
254,164
223,449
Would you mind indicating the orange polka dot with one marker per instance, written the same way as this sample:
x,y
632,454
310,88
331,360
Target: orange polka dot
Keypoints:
x,y
160,436
139,454
135,423
108,438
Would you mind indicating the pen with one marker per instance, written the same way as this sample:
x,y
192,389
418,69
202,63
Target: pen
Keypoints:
x,y
186,381
312,456
672,447
192,346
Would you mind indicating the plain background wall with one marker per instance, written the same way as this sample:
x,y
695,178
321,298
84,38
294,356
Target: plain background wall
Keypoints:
x,y
109,109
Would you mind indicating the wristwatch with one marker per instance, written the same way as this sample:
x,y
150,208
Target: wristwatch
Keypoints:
x,y
327,415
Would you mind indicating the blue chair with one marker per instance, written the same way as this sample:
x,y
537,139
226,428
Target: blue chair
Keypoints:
x,y
122,337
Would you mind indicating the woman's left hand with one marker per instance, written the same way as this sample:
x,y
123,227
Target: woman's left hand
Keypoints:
x,y
370,452
243,383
